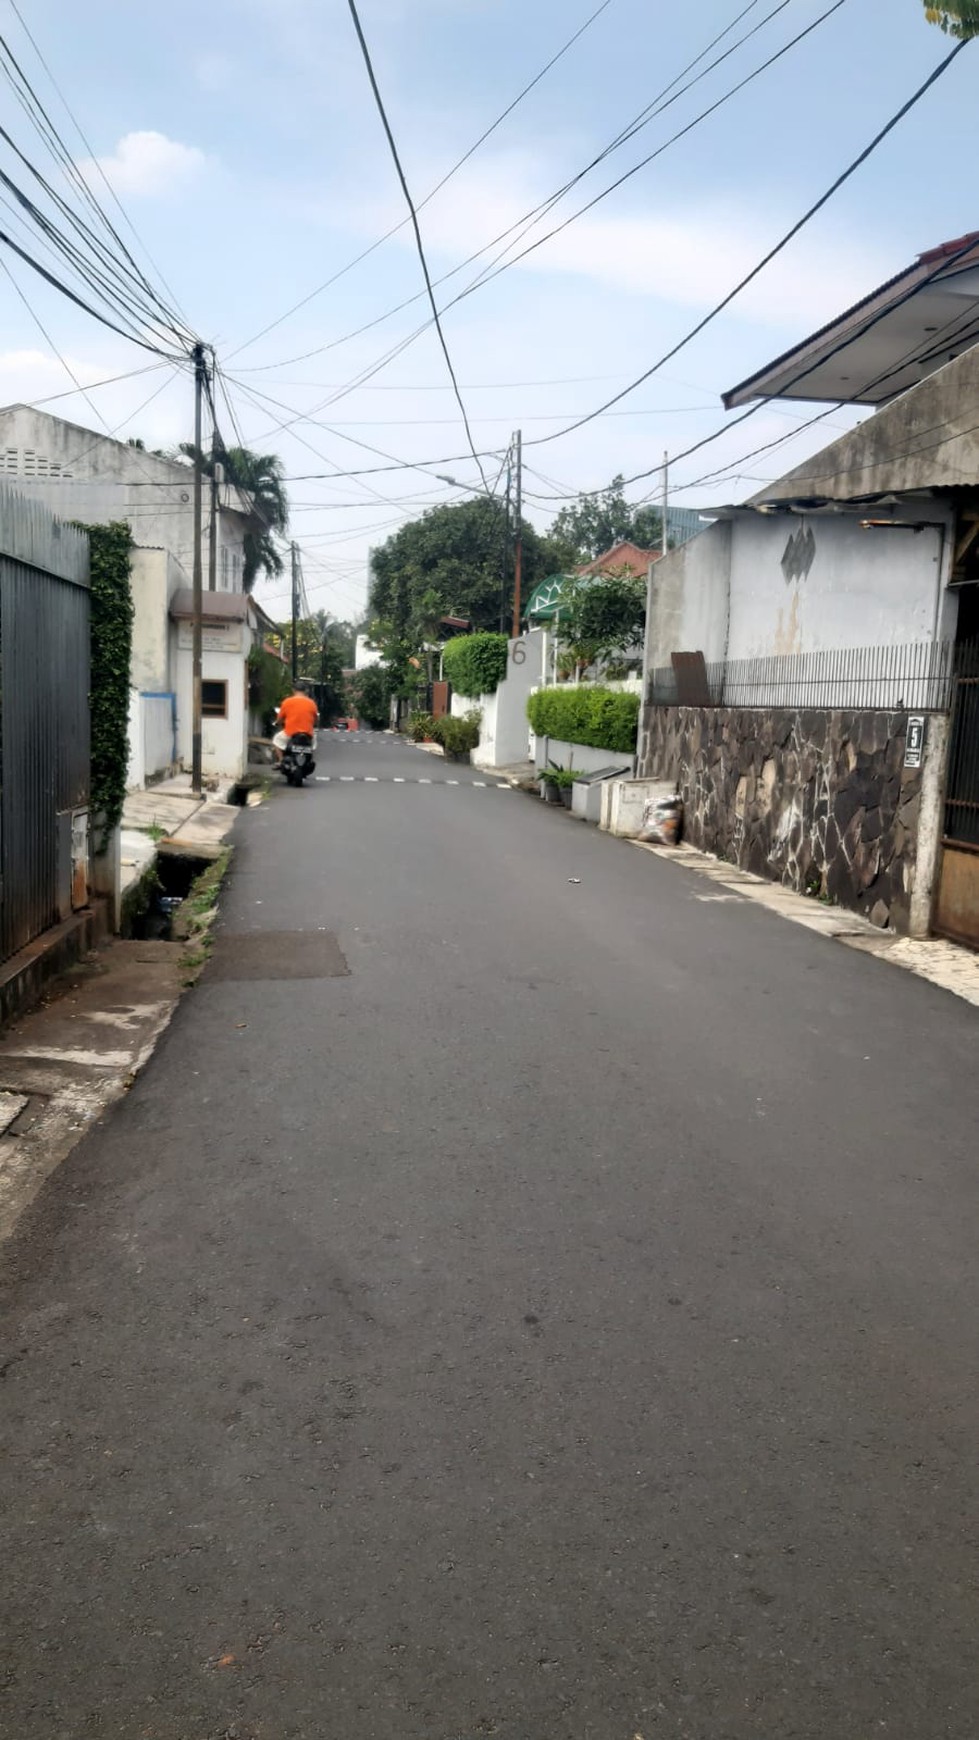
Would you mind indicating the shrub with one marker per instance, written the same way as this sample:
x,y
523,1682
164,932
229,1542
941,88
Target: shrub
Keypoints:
x,y
598,718
420,726
111,633
475,664
458,735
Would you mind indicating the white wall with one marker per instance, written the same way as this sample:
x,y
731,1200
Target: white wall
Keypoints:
x,y
687,602
863,588
89,477
504,738
224,659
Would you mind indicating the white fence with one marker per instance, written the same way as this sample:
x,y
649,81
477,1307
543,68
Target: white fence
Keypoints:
x,y
152,736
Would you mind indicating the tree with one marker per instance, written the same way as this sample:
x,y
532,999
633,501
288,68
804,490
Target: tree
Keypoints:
x,y
259,477
450,562
956,17
598,521
320,650
372,691
604,617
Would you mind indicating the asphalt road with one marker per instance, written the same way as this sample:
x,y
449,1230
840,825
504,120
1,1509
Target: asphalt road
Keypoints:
x,y
562,1325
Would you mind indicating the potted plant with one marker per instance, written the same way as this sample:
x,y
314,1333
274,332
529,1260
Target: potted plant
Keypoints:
x,y
564,778
550,783
422,728
458,736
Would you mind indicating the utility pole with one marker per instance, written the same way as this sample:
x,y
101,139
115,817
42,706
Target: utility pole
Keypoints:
x,y
505,558
666,500
200,376
212,549
518,535
295,613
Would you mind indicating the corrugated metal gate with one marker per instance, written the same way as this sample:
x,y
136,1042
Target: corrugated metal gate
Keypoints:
x,y
44,720
957,906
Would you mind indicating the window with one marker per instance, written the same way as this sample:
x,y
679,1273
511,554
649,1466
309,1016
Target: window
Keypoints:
x,y
214,700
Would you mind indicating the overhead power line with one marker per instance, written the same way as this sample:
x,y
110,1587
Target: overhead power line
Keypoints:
x,y
365,51
396,228
669,95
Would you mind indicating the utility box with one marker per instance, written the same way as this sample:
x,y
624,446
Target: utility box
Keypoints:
x,y
586,793
624,802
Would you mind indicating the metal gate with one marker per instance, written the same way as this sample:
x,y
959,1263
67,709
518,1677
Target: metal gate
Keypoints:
x,y
44,720
957,907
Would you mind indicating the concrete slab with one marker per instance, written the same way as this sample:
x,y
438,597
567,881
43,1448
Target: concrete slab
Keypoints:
x,y
207,830
79,1050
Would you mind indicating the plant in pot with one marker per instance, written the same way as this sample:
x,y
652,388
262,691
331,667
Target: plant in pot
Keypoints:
x,y
564,778
458,736
422,728
550,783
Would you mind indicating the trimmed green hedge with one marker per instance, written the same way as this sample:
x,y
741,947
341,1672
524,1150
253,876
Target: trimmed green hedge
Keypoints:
x,y
598,718
475,664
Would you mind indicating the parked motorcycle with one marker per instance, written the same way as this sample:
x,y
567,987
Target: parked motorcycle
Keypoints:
x,y
297,758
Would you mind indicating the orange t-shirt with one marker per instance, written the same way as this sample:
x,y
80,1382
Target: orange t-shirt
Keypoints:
x,y
298,713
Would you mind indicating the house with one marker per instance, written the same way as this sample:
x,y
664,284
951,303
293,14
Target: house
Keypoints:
x,y
625,557
91,478
803,676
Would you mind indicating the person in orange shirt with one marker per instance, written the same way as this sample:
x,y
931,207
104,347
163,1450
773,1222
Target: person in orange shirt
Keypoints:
x,y
297,713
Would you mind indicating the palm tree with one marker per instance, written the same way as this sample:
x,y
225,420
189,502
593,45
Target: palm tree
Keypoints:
x,y
956,17
258,476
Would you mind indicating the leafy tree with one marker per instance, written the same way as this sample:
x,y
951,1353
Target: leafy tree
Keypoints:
x,y
259,477
605,617
372,691
320,656
956,17
597,521
447,563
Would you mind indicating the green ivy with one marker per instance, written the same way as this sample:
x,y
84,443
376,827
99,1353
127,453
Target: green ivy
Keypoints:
x,y
475,664
111,633
598,718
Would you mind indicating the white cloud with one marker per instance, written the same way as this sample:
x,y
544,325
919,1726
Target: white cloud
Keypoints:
x,y
148,164
688,256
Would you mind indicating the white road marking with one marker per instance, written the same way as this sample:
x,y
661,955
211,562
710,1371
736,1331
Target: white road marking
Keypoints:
x,y
481,782
399,779
452,782
346,779
370,778
323,778
424,782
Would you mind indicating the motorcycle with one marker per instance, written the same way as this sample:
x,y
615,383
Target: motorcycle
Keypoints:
x,y
297,758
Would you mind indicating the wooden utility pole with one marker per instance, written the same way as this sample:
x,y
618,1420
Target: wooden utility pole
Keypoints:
x,y
518,534
295,613
200,376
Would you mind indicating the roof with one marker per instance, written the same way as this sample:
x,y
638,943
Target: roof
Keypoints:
x,y
217,606
891,340
624,554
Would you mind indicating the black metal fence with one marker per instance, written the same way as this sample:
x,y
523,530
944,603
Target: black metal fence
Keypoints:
x,y
962,780
44,720
875,678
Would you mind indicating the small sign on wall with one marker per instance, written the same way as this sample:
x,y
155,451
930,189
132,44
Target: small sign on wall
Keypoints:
x,y
914,743
215,637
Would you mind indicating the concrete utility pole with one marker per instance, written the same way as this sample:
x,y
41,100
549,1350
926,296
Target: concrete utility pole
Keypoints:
x,y
666,500
200,376
505,557
212,548
295,613
518,534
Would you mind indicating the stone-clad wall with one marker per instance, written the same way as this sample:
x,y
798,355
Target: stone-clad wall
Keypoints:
x,y
820,801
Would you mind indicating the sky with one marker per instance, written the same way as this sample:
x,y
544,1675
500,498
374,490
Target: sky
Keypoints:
x,y
244,147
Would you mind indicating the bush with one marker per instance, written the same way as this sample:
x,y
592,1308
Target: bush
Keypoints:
x,y
111,634
597,718
475,664
457,736
420,726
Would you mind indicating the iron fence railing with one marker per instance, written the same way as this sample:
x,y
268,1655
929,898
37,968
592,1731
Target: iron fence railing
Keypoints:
x,y
874,678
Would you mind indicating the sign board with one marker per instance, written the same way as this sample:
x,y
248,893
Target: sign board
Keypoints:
x,y
915,741
222,637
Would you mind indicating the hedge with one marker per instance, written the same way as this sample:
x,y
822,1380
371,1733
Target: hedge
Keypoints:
x,y
598,718
475,664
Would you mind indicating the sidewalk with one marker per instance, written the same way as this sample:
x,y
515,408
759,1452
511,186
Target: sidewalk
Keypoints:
x,y
198,826
66,1061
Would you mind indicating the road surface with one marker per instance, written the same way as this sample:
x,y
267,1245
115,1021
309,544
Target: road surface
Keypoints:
x,y
526,1295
